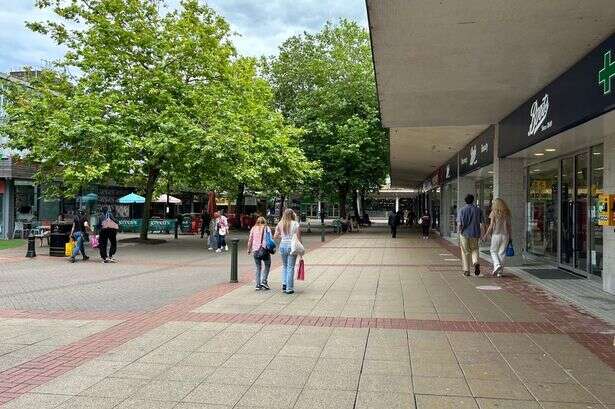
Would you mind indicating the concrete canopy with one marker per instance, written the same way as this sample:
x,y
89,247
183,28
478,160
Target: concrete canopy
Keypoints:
x,y
465,64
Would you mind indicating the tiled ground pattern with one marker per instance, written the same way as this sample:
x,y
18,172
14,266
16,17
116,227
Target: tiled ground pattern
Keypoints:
x,y
385,324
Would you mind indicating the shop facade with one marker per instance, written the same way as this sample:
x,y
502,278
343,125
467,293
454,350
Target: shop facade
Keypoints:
x,y
560,144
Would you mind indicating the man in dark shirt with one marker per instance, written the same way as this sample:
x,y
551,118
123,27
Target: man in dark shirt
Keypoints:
x,y
78,233
394,220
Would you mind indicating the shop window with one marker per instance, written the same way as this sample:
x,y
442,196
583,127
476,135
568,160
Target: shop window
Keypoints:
x,y
542,214
596,231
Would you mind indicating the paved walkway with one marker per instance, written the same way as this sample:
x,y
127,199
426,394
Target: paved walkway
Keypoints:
x,y
378,323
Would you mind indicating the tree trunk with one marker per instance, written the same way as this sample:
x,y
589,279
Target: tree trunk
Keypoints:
x,y
241,199
355,203
152,177
343,196
281,209
363,202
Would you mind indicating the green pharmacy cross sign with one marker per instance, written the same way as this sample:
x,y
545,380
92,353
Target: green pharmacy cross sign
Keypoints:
x,y
606,73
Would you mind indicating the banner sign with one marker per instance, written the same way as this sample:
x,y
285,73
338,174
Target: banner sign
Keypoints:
x,y
584,92
449,170
478,153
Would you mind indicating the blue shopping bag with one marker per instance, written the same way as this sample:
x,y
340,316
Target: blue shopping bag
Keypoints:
x,y
510,250
269,242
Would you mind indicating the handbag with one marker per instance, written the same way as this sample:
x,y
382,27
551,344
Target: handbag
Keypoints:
x,y
510,250
420,221
301,271
296,248
68,248
108,223
262,252
269,242
94,241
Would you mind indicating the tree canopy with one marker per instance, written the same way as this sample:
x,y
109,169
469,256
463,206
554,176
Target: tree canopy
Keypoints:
x,y
324,83
157,94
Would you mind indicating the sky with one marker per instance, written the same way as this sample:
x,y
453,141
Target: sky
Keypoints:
x,y
261,26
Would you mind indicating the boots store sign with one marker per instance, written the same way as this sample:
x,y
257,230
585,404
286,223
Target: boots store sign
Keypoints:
x,y
477,153
585,91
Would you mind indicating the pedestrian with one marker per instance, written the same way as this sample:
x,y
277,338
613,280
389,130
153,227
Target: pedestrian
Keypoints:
x,y
470,221
500,229
285,230
108,227
393,223
257,246
212,240
205,220
222,229
78,233
425,222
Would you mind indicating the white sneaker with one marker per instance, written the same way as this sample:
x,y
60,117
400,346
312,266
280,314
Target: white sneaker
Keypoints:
x,y
225,248
210,249
219,251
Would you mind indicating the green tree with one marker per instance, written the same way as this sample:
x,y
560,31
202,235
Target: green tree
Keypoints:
x,y
158,95
324,83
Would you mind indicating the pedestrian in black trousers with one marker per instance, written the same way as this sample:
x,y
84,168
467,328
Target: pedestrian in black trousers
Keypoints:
x,y
108,228
394,220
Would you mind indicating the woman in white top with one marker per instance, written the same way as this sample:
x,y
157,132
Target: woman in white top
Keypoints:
x,y
285,230
500,230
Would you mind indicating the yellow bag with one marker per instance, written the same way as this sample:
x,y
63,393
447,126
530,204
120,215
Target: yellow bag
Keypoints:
x,y
68,248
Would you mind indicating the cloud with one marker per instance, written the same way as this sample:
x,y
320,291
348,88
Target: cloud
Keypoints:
x,y
261,26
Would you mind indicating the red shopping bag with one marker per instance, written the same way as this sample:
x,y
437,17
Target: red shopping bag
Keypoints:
x,y
301,270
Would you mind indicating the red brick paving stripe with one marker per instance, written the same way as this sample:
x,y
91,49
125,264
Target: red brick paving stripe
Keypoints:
x,y
381,323
428,266
565,317
380,247
16,381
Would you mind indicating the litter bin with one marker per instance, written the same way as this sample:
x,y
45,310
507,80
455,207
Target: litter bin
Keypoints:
x,y
60,233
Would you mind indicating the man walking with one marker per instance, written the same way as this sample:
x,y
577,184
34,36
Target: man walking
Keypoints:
x,y
470,221
394,220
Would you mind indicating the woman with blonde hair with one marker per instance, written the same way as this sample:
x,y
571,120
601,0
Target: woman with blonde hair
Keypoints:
x,y
500,229
257,246
285,230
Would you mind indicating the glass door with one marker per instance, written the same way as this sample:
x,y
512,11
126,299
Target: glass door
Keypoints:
x,y
597,181
581,216
574,202
567,213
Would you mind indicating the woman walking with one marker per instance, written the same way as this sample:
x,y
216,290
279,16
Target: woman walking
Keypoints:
x,y
285,230
500,229
222,229
425,222
257,246
108,227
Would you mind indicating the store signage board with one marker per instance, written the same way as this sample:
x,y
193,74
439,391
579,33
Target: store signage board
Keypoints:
x,y
478,153
449,170
584,92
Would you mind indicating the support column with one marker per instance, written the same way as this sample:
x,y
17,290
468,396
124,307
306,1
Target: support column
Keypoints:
x,y
608,238
509,185
444,200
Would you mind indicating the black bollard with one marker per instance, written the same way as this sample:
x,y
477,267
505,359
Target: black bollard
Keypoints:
x,y
234,250
31,247
176,229
322,233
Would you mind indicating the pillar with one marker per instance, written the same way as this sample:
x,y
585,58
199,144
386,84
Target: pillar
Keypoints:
x,y
444,202
397,203
608,238
509,185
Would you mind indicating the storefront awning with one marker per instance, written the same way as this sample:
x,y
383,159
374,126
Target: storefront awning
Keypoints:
x,y
458,66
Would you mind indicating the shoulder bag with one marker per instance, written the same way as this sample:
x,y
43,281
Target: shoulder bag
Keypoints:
x,y
296,248
262,251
